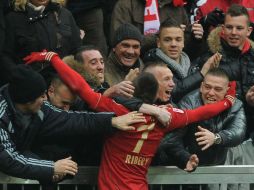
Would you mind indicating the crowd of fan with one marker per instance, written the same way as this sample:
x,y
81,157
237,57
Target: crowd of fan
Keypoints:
x,y
193,49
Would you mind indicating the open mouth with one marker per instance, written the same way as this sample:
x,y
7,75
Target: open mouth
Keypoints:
x,y
211,100
168,92
128,58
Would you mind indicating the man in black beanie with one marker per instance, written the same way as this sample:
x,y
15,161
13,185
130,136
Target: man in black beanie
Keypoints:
x,y
124,58
27,120
27,87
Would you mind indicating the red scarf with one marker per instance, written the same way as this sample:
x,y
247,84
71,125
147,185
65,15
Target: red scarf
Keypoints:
x,y
151,17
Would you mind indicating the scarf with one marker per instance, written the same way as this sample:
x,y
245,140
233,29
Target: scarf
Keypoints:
x,y
151,17
179,69
39,8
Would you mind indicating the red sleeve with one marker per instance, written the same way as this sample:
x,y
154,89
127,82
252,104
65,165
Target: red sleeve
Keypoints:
x,y
181,118
78,85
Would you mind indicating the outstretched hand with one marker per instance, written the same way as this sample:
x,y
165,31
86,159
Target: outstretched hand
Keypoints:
x,y
124,122
39,56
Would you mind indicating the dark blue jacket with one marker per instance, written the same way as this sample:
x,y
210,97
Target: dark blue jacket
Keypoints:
x,y
48,123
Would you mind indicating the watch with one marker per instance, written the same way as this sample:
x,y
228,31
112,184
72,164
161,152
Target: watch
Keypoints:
x,y
217,139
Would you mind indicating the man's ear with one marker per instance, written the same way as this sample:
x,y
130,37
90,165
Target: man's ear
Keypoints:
x,y
158,42
200,89
222,29
249,30
228,86
51,90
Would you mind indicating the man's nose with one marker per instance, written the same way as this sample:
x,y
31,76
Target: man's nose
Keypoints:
x,y
130,50
211,92
234,30
100,65
171,83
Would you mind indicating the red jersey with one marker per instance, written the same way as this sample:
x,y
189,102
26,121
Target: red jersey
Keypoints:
x,y
128,154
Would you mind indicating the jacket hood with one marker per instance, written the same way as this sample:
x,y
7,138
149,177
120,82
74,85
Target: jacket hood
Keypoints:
x,y
214,42
92,80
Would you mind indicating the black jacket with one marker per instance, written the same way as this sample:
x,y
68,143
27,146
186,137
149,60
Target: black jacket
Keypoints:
x,y
49,123
180,144
29,31
238,65
81,5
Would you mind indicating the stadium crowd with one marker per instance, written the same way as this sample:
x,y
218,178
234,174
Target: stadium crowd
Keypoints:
x,y
124,84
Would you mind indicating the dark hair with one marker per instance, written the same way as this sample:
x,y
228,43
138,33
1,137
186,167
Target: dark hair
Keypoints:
x,y
169,23
146,87
56,81
153,63
218,72
78,55
238,10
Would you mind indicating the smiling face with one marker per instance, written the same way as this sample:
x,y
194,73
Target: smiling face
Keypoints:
x,y
128,51
171,42
213,88
236,30
165,79
94,63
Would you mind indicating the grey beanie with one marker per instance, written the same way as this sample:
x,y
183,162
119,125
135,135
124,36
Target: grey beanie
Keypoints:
x,y
126,31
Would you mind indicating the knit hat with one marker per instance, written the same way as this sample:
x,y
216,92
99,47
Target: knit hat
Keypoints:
x,y
26,84
126,31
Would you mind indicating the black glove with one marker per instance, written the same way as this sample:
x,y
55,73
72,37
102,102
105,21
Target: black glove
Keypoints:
x,y
213,18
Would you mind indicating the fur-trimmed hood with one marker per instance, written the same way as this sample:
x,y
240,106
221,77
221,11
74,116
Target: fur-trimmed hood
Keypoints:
x,y
214,42
92,80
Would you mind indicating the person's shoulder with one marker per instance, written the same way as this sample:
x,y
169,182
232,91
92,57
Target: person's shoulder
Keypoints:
x,y
63,9
191,100
15,14
4,112
3,108
237,106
